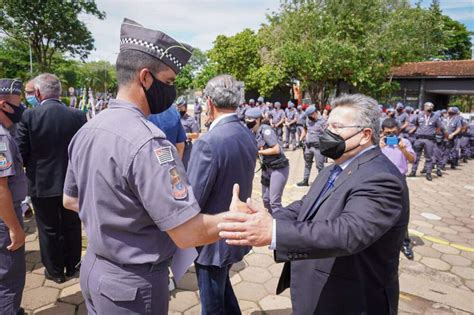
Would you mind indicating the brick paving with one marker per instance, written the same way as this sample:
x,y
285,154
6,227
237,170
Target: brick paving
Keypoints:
x,y
440,280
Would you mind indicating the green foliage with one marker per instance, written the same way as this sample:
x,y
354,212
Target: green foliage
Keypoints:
x,y
457,45
50,27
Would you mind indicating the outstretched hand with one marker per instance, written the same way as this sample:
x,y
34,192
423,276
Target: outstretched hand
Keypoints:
x,y
252,228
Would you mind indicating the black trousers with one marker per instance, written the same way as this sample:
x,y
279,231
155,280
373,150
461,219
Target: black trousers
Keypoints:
x,y
59,232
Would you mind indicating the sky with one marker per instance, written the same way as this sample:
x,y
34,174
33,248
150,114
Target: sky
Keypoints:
x,y
198,22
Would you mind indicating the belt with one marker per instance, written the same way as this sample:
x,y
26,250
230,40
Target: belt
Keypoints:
x,y
312,145
150,267
425,137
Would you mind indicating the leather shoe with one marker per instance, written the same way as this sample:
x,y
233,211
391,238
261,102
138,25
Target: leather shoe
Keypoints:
x,y
439,173
57,279
423,171
21,311
428,177
407,251
303,183
412,174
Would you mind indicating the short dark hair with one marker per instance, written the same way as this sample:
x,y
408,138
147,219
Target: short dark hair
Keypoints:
x,y
130,61
389,123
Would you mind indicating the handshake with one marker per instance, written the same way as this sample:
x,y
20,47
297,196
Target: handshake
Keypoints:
x,y
246,223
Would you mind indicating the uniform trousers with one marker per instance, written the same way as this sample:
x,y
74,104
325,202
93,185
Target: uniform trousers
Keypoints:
x,y
310,153
59,232
427,146
110,288
12,271
299,132
290,136
272,193
197,117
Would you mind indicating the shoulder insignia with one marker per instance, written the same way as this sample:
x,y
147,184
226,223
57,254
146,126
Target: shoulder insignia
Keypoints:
x,y
267,132
178,189
4,163
164,155
3,147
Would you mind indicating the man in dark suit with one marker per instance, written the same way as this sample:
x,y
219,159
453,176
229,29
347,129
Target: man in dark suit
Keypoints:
x,y
225,155
44,135
340,243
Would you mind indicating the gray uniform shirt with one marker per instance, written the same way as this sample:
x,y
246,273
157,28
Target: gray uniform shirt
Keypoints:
x,y
427,124
11,166
267,138
315,129
189,124
291,115
131,185
301,119
277,116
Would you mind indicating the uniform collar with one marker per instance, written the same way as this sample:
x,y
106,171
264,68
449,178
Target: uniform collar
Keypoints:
x,y
115,103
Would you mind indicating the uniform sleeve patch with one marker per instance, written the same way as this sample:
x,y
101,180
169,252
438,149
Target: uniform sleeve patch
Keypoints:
x,y
164,155
178,189
3,147
267,132
4,163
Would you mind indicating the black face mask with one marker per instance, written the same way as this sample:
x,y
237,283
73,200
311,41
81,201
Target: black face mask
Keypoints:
x,y
311,118
429,110
451,114
333,145
160,96
15,117
251,124
182,113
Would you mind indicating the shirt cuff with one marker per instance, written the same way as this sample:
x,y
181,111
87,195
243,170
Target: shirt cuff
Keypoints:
x,y
273,244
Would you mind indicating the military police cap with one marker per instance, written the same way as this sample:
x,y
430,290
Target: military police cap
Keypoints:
x,y
251,100
428,104
409,109
260,99
443,111
277,104
174,54
310,110
181,101
253,113
10,86
400,106
390,109
456,110
291,105
299,107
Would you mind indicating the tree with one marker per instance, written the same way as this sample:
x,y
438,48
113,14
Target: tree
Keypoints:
x,y
186,78
457,45
50,27
321,42
98,75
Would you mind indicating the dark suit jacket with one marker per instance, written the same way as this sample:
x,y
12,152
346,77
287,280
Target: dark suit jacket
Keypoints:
x,y
43,135
343,258
225,155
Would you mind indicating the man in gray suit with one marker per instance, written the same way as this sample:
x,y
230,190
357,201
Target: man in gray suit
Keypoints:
x,y
225,155
340,243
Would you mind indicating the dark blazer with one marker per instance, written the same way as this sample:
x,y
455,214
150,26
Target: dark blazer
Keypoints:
x,y
342,255
225,155
43,135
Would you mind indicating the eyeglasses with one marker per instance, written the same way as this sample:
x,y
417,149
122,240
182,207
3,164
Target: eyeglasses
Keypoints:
x,y
337,126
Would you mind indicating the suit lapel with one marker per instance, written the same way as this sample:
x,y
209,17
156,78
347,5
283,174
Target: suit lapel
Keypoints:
x,y
314,192
349,171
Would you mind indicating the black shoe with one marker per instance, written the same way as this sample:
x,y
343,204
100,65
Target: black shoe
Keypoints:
x,y
407,251
423,171
443,168
58,279
453,166
21,311
464,160
439,173
412,174
304,182
72,273
428,177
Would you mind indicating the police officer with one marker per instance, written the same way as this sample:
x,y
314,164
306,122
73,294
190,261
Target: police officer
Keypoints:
x,y
464,149
138,206
300,123
13,190
277,120
411,127
453,129
314,127
290,126
197,113
427,124
440,147
275,166
190,127
402,118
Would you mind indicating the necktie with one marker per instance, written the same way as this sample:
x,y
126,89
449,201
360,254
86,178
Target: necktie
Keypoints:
x,y
329,185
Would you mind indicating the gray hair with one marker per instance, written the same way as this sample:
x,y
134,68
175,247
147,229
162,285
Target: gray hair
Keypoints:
x,y
368,113
49,85
224,91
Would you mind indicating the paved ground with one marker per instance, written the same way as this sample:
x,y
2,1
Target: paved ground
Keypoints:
x,y
440,280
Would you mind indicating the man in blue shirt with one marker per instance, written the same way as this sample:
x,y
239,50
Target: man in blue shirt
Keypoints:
x,y
169,122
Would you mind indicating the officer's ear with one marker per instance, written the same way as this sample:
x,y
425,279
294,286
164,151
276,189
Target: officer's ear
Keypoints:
x,y
145,78
367,136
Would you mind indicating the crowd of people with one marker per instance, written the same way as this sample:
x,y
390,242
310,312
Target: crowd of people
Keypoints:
x,y
163,186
